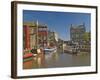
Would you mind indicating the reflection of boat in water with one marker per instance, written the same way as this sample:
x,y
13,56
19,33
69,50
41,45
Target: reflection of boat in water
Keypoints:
x,y
50,50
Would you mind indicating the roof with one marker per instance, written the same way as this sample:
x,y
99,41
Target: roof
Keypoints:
x,y
34,24
30,23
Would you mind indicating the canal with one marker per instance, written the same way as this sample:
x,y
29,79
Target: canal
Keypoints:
x,y
58,59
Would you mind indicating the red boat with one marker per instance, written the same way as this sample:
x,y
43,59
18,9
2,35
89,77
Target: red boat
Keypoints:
x,y
27,57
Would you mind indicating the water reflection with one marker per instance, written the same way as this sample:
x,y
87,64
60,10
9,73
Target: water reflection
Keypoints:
x,y
57,60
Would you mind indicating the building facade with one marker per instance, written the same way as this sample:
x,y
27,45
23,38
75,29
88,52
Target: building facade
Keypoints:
x,y
29,35
77,32
34,35
26,37
52,38
42,35
80,38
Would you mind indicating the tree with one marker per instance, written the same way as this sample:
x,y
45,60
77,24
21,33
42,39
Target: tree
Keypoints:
x,y
86,36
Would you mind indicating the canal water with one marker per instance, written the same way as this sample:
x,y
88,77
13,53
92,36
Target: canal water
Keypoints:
x,y
59,59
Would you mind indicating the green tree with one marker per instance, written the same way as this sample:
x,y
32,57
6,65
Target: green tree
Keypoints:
x,y
86,36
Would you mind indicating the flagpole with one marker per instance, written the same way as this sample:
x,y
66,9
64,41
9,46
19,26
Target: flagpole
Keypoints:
x,y
37,34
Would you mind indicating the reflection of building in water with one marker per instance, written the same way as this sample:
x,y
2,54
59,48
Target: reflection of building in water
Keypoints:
x,y
36,62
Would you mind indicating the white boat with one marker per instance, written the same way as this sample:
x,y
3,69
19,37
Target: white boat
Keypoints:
x,y
50,50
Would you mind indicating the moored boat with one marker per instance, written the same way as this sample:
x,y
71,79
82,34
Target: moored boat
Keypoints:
x,y
27,57
50,50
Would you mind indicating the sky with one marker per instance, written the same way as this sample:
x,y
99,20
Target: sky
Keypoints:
x,y
60,22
